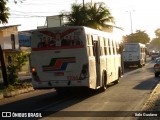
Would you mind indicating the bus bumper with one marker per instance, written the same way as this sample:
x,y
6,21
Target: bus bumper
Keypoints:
x,y
128,63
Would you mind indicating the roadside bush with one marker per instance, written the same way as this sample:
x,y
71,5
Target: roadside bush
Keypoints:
x,y
9,88
15,63
12,74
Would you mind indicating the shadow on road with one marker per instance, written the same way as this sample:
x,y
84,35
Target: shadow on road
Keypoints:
x,y
130,68
52,100
148,84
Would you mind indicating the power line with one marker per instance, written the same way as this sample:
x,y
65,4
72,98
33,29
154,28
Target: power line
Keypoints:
x,y
29,13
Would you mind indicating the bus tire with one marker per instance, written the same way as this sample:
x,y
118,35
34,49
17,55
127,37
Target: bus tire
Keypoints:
x,y
156,74
119,76
140,65
126,66
104,80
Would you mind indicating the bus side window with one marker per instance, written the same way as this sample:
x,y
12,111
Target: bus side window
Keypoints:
x,y
117,48
89,45
101,45
87,36
94,44
110,46
105,46
87,41
114,48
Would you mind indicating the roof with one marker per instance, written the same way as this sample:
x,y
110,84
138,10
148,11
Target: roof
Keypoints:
x,y
5,27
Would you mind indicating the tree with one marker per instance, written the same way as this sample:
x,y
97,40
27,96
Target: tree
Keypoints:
x,y
96,16
3,67
4,12
3,19
138,37
4,16
99,16
155,43
157,33
77,16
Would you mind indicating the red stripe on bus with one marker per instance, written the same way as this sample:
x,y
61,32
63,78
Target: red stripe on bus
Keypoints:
x,y
57,48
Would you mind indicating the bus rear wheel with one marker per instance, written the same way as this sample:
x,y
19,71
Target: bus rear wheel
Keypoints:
x,y
104,86
156,74
119,76
140,65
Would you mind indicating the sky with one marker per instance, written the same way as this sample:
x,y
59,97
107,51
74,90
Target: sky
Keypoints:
x,y
144,14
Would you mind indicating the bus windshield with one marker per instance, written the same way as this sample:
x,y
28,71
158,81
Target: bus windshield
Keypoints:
x,y
131,48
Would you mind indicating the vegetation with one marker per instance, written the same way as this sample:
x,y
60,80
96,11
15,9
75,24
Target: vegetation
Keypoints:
x,y
138,37
155,43
96,16
4,15
15,63
17,87
157,33
4,12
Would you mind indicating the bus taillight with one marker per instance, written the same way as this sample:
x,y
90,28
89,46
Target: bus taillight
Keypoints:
x,y
33,70
35,75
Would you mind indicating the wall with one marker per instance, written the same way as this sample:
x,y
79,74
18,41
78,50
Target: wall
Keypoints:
x,y
6,37
1,39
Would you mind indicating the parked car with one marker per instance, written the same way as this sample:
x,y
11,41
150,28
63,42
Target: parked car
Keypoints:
x,y
156,59
154,55
157,68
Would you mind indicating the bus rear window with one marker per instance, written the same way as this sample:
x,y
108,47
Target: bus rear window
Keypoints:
x,y
130,48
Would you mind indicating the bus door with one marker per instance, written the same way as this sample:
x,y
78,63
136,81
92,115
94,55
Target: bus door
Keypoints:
x,y
97,60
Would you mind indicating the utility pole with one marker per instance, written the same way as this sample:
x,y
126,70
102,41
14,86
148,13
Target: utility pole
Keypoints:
x,y
83,3
131,22
130,15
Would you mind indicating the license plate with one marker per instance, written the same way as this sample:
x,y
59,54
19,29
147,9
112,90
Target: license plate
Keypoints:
x,y
59,73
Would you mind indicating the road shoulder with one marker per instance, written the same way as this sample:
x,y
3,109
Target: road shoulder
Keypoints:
x,y
152,105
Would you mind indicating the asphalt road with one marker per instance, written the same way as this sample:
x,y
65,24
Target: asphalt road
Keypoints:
x,y
129,95
117,101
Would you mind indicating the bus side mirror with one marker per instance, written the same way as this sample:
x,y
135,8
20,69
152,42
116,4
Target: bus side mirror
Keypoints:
x,y
121,48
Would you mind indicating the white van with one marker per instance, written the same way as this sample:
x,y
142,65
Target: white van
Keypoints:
x,y
134,54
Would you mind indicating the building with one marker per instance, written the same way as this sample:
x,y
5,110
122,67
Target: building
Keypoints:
x,y
9,40
54,21
9,37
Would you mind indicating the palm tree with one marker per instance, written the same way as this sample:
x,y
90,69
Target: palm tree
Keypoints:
x,y
99,16
4,12
78,15
96,16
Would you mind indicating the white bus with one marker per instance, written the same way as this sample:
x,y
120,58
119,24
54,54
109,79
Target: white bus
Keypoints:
x,y
74,56
134,54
